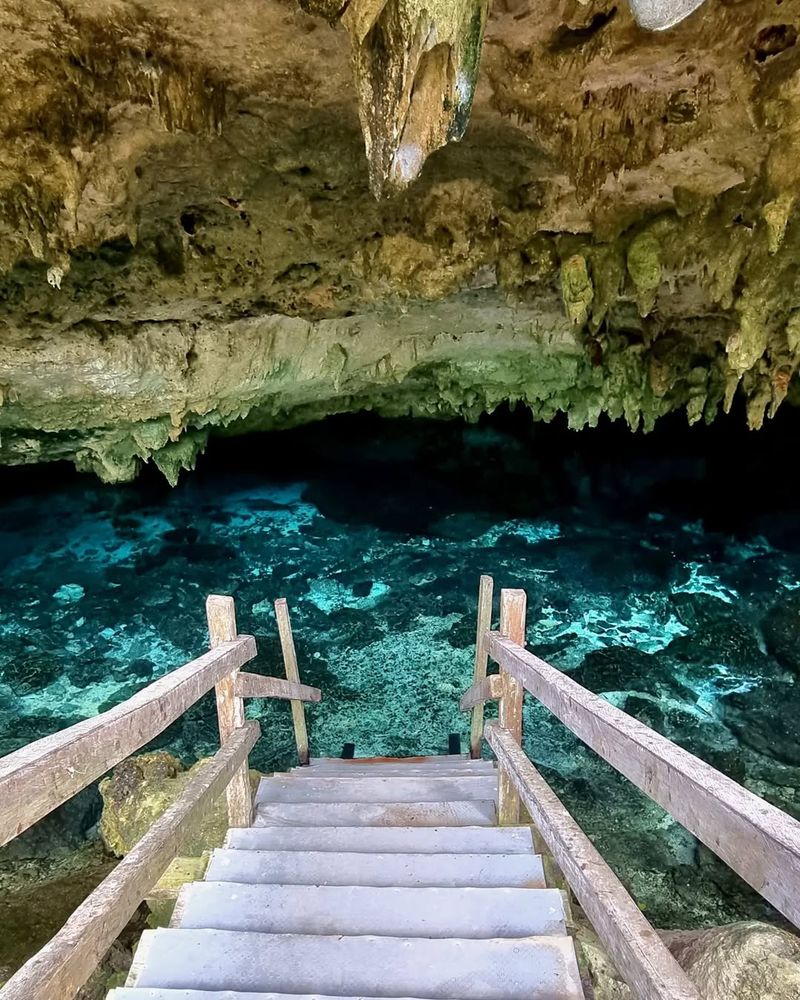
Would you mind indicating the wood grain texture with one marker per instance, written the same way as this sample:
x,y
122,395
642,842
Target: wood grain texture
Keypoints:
x,y
41,776
641,957
513,606
488,689
759,842
221,615
59,970
293,675
259,686
485,592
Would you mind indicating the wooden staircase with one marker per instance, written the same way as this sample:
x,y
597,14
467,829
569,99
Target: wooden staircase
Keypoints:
x,y
385,878
381,878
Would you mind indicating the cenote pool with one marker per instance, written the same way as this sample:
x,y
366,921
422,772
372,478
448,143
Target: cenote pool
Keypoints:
x,y
661,571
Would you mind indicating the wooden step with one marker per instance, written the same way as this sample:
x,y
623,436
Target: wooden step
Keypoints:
x,y
150,993
440,760
345,868
356,909
392,770
375,814
369,789
385,839
529,968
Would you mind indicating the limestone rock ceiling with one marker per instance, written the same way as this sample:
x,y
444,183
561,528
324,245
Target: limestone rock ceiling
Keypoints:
x,y
188,241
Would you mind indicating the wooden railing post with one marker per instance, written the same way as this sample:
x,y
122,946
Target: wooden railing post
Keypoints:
x,y
221,615
292,674
512,625
485,591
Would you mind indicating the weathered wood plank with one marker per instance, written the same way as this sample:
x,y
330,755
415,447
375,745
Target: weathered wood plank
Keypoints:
x,y
489,689
221,615
758,841
37,778
259,686
293,675
485,592
59,970
513,606
644,961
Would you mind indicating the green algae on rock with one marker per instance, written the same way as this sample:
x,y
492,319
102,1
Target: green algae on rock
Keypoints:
x,y
140,789
749,960
190,245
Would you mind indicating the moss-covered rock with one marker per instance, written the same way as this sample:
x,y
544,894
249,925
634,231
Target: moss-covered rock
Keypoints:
x,y
743,961
189,246
140,789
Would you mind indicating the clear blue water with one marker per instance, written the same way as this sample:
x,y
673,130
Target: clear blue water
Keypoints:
x,y
650,565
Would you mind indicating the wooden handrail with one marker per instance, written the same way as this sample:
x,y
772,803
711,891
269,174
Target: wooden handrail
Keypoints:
x,y
221,617
260,686
37,778
489,689
485,591
641,957
293,676
513,608
758,841
64,965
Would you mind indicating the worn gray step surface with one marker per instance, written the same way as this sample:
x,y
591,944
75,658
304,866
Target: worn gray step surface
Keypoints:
x,y
430,761
151,993
530,968
385,839
395,767
369,789
375,814
356,909
391,771
344,868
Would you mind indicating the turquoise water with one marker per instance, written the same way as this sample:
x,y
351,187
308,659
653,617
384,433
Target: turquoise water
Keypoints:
x,y
649,572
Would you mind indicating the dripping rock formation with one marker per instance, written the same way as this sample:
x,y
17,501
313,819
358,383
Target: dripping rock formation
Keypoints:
x,y
189,243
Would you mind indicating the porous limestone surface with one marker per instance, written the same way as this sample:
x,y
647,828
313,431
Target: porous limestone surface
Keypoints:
x,y
189,244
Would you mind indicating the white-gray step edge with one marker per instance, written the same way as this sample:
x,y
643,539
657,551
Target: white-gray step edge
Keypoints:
x,y
369,789
375,814
449,758
384,839
530,968
344,868
410,765
388,771
356,909
147,993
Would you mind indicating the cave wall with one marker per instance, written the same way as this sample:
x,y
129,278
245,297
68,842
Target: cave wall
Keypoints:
x,y
188,242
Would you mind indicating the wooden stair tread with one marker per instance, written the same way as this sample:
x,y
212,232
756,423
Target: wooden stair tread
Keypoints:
x,y
385,839
366,788
387,911
346,868
528,968
481,813
150,993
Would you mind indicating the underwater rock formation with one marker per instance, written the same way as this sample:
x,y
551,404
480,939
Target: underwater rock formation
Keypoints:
x,y
742,961
140,789
189,244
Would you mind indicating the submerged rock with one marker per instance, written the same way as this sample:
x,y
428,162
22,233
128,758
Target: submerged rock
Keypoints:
x,y
781,629
766,719
744,961
741,961
140,789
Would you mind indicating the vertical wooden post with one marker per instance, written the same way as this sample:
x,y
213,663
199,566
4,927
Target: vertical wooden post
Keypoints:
x,y
221,615
292,674
485,591
512,625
